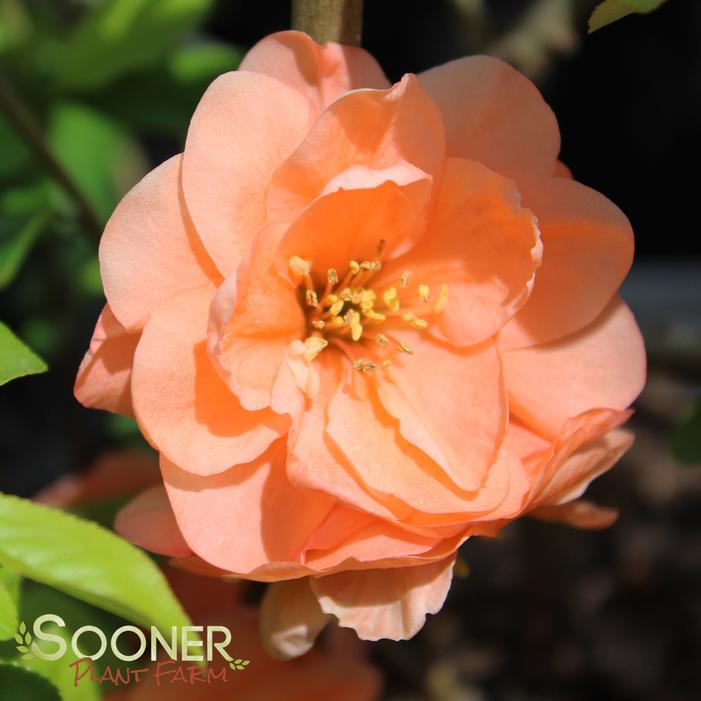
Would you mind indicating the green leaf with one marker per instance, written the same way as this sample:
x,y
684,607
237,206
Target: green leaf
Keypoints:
x,y
16,359
8,614
17,236
103,159
612,10
20,684
164,97
60,673
117,37
686,439
86,561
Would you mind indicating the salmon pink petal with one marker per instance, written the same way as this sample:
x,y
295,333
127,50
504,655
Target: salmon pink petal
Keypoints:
x,y
315,462
587,251
320,72
245,126
181,403
374,543
495,115
350,225
395,133
148,521
523,442
388,465
579,514
149,250
389,603
290,619
572,472
423,392
104,377
480,243
601,366
245,517
255,316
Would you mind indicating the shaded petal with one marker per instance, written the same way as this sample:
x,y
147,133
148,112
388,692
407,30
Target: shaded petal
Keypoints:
x,y
104,376
450,403
494,114
390,603
148,521
379,130
348,225
149,250
291,619
578,514
181,403
601,366
255,315
483,245
245,126
320,72
245,517
113,474
315,462
587,251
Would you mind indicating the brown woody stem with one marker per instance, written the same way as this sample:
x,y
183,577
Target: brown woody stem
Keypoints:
x,y
329,20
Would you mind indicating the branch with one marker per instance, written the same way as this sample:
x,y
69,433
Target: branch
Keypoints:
x,y
329,20
24,123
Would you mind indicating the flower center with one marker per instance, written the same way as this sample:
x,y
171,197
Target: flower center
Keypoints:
x,y
359,318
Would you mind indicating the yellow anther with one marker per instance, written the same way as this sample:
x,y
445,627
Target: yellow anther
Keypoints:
x,y
370,367
332,276
424,293
313,346
382,339
319,324
386,364
375,316
336,307
358,364
391,299
356,295
356,326
367,300
311,298
337,321
346,294
404,279
404,347
415,321
299,266
442,297
354,267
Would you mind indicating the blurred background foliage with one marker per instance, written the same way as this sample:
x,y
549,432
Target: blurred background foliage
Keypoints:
x,y
93,93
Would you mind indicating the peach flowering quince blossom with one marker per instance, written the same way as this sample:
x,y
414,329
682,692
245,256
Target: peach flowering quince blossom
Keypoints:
x,y
361,323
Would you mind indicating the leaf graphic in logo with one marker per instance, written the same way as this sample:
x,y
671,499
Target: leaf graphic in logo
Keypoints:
x,y
239,664
24,640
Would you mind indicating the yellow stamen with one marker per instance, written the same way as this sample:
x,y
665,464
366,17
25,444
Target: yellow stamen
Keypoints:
x,y
336,307
391,299
332,276
404,347
382,339
313,346
319,324
404,280
311,298
375,316
355,325
415,321
354,267
299,266
424,293
442,297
